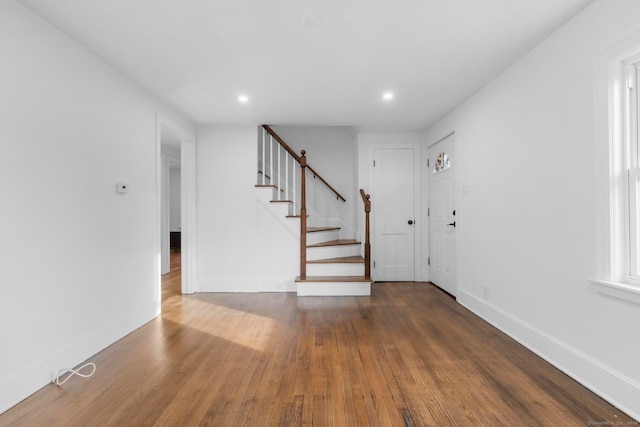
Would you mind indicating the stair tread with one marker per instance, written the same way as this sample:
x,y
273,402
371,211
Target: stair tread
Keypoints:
x,y
316,229
330,279
281,201
342,260
265,186
339,242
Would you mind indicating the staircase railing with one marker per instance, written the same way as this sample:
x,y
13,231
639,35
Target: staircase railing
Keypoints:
x,y
367,238
278,167
277,164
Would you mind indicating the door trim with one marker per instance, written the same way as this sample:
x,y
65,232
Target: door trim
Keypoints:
x,y
188,203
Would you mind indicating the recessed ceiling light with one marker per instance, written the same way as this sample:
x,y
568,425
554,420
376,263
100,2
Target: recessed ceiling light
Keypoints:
x,y
387,96
243,99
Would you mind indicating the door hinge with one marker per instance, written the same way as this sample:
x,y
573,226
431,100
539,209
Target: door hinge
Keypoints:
x,y
427,162
374,163
428,260
428,211
374,264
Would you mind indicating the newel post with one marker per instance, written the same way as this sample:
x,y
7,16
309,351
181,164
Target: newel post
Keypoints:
x,y
367,241
303,216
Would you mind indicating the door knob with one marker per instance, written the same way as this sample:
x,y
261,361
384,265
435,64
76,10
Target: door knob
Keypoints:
x,y
410,221
452,224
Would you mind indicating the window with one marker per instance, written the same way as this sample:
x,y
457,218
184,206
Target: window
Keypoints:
x,y
616,121
630,126
442,163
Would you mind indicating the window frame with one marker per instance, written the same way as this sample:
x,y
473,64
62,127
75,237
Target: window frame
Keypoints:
x,y
616,101
631,69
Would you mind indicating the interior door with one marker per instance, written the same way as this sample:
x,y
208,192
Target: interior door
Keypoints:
x,y
442,215
394,186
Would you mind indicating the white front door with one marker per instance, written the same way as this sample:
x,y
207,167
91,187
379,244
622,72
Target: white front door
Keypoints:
x,y
442,215
395,214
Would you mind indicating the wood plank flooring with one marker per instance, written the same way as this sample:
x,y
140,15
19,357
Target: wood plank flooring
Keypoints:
x,y
409,355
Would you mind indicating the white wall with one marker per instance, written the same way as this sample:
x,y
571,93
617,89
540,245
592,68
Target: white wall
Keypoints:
x,y
244,243
331,152
226,209
79,261
526,223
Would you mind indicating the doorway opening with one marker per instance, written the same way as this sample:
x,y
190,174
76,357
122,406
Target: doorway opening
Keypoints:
x,y
176,207
171,201
171,281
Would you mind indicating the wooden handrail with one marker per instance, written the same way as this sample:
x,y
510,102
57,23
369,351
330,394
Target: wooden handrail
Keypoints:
x,y
295,156
365,200
281,142
367,239
303,217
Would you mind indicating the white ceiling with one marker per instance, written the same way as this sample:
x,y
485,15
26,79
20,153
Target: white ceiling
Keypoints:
x,y
199,55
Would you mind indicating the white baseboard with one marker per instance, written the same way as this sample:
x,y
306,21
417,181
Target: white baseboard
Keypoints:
x,y
228,285
613,386
38,374
247,286
278,285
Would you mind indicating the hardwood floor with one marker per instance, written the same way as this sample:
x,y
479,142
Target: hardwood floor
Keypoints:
x,y
409,355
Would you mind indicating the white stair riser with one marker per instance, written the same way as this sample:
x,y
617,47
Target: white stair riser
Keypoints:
x,y
322,236
334,288
265,193
268,194
282,209
274,192
325,252
335,269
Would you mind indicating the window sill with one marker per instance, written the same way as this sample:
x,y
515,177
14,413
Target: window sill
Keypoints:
x,y
621,291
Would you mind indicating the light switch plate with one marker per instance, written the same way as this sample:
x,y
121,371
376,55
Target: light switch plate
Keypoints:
x,y
122,188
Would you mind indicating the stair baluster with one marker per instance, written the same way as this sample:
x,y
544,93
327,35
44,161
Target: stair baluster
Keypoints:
x,y
279,175
294,194
263,161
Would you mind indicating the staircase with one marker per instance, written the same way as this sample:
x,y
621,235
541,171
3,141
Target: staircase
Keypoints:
x,y
334,265
330,265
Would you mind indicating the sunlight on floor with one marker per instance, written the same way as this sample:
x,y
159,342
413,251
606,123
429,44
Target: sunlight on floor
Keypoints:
x,y
224,323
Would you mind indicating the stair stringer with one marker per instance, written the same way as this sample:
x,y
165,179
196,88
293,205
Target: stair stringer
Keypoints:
x,y
280,211
278,245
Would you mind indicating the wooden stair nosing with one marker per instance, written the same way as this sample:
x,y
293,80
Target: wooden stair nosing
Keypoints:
x,y
339,242
281,201
330,279
342,260
318,229
269,186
